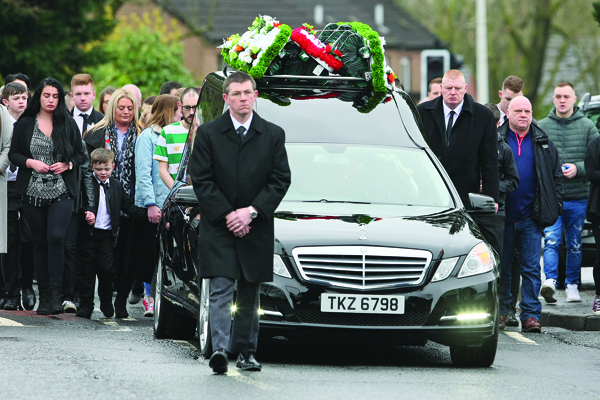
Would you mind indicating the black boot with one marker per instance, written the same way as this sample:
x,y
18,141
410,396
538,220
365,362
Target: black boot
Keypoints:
x,y
121,307
44,307
55,295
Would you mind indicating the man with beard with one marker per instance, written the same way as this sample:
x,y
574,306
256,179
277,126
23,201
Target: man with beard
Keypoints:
x,y
170,144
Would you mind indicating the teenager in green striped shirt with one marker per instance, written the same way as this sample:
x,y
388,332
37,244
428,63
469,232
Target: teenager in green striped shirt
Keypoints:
x,y
169,147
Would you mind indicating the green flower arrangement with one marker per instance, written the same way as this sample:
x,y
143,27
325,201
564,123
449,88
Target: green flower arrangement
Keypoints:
x,y
254,51
279,100
376,47
375,99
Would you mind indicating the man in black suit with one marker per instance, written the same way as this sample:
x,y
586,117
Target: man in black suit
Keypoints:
x,y
462,134
83,95
84,114
240,173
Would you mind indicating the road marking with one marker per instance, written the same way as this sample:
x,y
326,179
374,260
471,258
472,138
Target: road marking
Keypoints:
x,y
9,322
520,338
185,343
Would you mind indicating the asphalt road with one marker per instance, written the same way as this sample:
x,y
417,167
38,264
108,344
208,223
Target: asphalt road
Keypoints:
x,y
66,357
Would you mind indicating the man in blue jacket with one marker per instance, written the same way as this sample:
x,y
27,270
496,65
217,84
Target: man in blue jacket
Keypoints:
x,y
535,205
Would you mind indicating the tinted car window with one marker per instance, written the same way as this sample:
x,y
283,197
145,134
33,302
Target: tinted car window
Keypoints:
x,y
362,173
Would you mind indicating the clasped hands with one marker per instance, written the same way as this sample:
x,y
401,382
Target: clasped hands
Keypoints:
x,y
42,168
238,221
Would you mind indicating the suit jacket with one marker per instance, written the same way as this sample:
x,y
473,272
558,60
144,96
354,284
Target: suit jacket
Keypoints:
x,y
472,153
228,174
20,151
118,201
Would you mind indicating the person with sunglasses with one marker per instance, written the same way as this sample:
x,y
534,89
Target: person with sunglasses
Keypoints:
x,y
169,148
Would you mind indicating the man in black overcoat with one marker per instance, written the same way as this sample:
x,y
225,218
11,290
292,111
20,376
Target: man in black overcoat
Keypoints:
x,y
462,134
240,173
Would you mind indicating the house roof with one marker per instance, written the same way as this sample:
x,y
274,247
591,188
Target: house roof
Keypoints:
x,y
235,16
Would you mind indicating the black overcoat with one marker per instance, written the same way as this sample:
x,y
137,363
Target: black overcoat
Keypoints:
x,y
472,152
228,174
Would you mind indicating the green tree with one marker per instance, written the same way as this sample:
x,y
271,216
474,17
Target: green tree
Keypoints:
x,y
144,51
519,37
48,38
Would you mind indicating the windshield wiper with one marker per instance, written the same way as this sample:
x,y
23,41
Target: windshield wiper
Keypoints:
x,y
335,201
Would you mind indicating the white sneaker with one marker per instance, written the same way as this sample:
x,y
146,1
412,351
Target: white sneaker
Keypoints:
x,y
572,294
548,290
69,307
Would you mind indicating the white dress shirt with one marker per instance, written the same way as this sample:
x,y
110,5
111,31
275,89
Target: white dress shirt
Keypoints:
x,y
447,110
237,124
79,119
102,217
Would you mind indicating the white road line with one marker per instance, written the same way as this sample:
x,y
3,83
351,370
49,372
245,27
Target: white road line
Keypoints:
x,y
9,322
520,338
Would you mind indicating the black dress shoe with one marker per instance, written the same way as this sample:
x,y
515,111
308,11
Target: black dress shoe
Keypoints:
x,y
218,361
2,302
108,310
13,304
248,363
84,312
120,309
512,319
28,298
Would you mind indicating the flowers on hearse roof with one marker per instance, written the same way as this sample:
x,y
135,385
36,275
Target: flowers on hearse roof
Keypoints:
x,y
323,54
253,51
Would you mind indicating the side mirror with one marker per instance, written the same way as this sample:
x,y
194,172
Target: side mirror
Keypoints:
x,y
481,204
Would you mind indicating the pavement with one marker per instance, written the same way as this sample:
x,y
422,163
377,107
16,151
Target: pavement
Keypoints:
x,y
573,316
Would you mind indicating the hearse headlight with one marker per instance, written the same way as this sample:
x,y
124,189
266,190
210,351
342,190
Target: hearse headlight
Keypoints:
x,y
479,261
445,269
279,267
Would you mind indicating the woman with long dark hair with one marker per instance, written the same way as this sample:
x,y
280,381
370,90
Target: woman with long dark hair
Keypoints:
x,y
47,148
118,131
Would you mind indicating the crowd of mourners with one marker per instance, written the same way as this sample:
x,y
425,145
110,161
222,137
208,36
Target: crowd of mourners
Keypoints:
x,y
81,191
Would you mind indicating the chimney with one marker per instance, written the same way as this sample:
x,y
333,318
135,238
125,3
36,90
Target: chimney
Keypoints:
x,y
318,16
379,19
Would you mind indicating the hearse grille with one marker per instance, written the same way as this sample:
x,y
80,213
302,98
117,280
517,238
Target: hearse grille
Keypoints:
x,y
362,267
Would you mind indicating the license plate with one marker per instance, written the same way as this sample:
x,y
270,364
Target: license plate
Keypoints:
x,y
367,304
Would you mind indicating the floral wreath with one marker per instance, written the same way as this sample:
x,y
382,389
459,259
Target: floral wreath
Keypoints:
x,y
326,55
383,76
254,51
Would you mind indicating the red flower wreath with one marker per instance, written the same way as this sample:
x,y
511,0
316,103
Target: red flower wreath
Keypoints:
x,y
315,51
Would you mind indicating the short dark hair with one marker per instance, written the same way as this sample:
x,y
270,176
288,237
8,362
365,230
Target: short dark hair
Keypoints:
x,y
102,156
187,90
513,83
494,109
150,100
13,88
22,77
565,83
168,86
237,77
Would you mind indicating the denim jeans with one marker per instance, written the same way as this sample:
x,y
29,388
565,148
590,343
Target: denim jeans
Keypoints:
x,y
572,219
526,237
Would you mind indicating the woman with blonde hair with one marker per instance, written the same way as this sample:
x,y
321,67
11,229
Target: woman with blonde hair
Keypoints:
x,y
150,192
118,131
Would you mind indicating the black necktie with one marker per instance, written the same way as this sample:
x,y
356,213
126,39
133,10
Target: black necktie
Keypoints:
x,y
449,127
13,167
85,122
240,132
106,196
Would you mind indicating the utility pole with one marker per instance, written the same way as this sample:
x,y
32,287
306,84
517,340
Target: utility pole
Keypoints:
x,y
483,95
